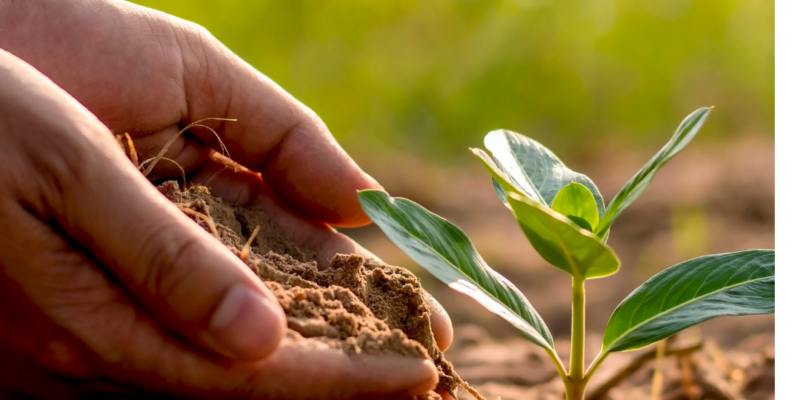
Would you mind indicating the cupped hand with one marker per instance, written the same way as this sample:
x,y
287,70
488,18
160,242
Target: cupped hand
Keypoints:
x,y
104,284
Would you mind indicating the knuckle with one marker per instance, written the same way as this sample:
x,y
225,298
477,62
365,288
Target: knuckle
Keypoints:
x,y
199,30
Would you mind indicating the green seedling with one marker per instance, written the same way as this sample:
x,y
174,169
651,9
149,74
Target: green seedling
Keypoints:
x,y
563,215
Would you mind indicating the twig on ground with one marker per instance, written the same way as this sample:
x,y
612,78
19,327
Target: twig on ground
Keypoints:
x,y
719,357
637,363
687,380
472,391
658,372
466,387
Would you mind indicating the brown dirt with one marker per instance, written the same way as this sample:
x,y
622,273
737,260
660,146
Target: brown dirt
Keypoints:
x,y
358,305
694,368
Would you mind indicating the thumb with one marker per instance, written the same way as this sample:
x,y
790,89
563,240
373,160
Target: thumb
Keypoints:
x,y
84,185
187,279
182,275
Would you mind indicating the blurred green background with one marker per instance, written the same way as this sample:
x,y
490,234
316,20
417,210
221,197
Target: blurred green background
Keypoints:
x,y
431,77
406,86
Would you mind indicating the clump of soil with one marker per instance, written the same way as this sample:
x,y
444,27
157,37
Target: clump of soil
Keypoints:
x,y
358,305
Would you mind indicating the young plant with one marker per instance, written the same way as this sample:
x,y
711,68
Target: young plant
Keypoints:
x,y
563,215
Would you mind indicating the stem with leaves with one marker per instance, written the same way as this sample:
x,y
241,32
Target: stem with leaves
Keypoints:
x,y
562,214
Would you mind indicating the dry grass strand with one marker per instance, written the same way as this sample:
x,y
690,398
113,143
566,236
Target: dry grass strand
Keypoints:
x,y
231,165
205,218
208,181
471,391
132,149
175,137
246,249
466,387
152,160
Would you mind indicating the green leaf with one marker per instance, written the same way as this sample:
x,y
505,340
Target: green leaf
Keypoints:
x,y
638,184
580,222
575,201
527,162
561,242
447,253
504,182
691,292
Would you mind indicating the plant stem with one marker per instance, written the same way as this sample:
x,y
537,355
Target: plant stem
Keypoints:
x,y
578,329
594,365
576,390
577,384
559,366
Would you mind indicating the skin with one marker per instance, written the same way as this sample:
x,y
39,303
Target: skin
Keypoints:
x,y
105,285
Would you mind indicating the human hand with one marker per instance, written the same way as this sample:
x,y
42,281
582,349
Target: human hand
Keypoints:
x,y
105,285
148,74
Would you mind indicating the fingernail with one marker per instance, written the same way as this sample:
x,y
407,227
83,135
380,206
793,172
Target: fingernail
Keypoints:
x,y
247,324
428,380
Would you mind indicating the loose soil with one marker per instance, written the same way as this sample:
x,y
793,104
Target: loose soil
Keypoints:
x,y
694,367
358,305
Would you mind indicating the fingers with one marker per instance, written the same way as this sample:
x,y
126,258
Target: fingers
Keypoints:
x,y
127,346
245,188
441,325
275,134
316,369
67,169
190,281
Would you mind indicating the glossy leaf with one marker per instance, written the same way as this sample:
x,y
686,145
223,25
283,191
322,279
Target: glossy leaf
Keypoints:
x,y
638,184
691,292
505,181
446,252
575,201
561,242
501,193
523,159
